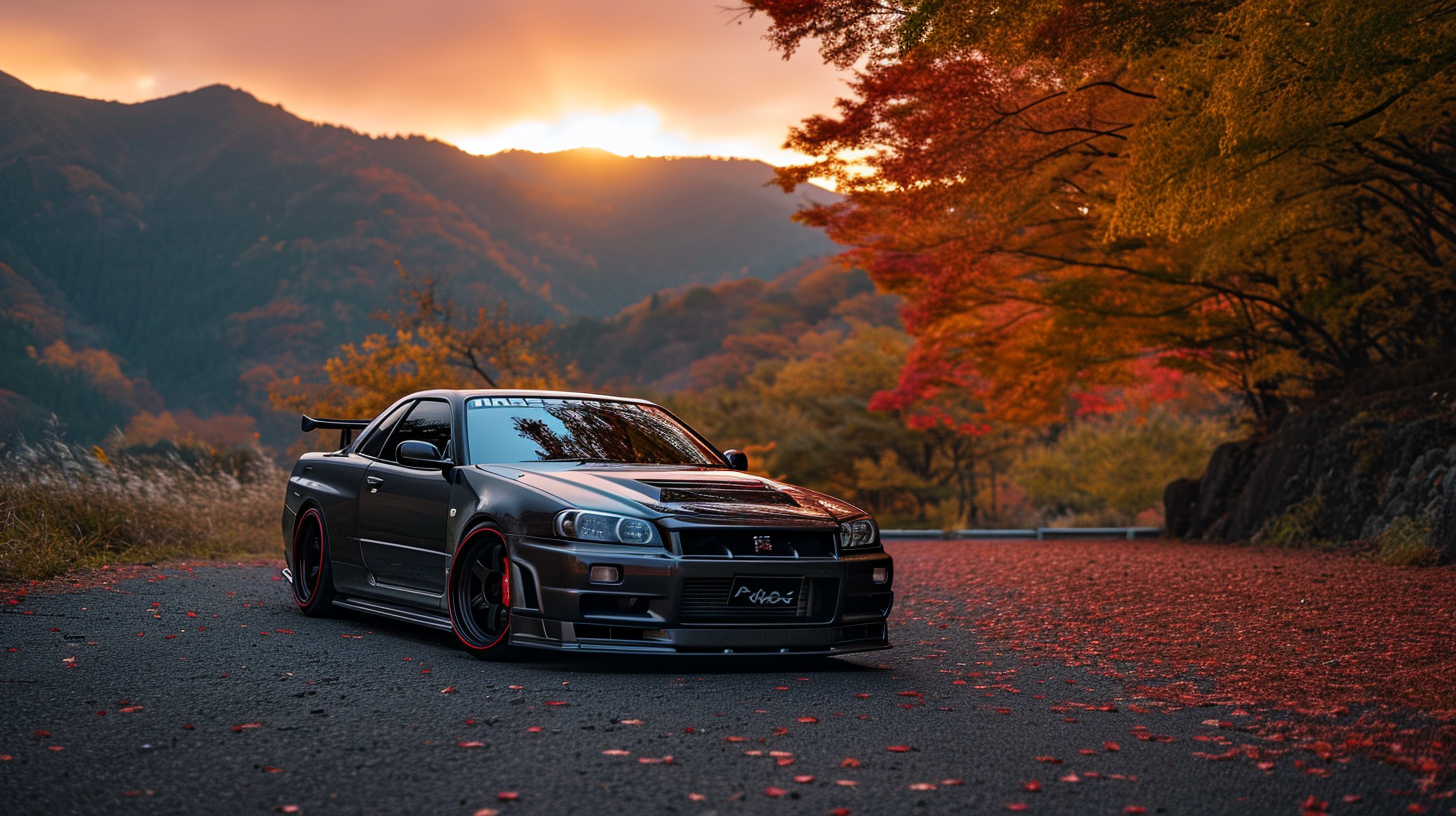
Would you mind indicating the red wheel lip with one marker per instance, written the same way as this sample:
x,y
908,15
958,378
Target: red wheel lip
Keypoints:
x,y
450,594
313,593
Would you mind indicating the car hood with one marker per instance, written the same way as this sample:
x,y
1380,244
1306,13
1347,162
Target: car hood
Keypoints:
x,y
724,496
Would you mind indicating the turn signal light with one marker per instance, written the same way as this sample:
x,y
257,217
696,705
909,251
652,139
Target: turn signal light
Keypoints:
x,y
880,575
606,575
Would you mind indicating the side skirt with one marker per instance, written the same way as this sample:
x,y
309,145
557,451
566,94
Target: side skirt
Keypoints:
x,y
400,613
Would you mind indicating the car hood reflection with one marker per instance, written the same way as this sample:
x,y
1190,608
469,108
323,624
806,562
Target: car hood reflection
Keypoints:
x,y
725,496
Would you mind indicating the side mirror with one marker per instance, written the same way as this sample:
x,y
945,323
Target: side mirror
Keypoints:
x,y
417,454
738,460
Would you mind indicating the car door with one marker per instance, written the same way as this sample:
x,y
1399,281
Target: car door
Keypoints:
x,y
403,511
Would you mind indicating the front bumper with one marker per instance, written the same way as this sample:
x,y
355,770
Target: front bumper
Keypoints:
x,y
671,604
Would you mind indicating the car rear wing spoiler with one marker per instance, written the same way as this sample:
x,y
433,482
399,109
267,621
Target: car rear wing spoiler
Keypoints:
x,y
346,427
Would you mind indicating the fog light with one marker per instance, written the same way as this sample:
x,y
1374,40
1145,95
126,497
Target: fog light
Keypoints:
x,y
880,575
605,575
633,604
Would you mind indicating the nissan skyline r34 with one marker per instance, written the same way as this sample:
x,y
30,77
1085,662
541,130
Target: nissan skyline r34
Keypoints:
x,y
576,522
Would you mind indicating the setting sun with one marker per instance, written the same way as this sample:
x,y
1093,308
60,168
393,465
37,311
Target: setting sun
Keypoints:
x,y
637,78
635,131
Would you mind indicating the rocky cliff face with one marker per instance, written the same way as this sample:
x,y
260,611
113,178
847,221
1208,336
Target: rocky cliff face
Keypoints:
x,y
1378,458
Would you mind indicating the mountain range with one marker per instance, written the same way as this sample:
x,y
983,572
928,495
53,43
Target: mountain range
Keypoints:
x,y
176,253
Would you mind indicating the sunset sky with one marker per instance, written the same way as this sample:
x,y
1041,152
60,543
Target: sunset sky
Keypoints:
x,y
637,77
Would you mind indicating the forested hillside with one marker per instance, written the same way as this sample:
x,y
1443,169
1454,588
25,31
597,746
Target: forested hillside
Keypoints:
x,y
182,253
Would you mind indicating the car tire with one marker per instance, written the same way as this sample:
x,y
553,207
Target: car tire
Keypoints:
x,y
480,593
313,572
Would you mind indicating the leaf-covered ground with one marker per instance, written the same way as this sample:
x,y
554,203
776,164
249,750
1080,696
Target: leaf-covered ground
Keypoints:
x,y
1046,677
1331,654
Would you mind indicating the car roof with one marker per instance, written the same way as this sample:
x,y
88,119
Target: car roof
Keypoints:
x,y
468,393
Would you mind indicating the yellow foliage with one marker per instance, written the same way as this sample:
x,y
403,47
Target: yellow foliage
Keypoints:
x,y
426,349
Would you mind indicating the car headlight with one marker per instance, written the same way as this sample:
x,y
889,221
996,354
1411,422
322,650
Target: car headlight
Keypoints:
x,y
857,535
585,525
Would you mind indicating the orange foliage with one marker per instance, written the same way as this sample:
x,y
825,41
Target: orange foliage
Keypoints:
x,y
102,367
185,427
428,348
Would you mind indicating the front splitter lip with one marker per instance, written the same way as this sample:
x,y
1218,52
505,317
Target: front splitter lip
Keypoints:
x,y
653,649
827,639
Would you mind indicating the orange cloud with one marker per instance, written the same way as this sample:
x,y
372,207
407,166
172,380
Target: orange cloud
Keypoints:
x,y
467,71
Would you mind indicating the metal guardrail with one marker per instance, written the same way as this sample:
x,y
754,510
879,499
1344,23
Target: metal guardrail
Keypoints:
x,y
1038,534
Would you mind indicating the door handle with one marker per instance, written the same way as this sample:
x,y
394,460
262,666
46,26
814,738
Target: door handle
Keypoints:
x,y
374,480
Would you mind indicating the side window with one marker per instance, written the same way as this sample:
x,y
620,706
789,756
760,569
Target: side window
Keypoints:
x,y
428,422
375,443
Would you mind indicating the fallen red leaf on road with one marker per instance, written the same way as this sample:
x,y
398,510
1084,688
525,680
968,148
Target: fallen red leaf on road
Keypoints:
x,y
1311,634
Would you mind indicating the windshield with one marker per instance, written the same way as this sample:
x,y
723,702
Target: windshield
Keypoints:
x,y
505,430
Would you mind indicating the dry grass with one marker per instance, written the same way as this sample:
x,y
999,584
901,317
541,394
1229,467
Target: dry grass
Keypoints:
x,y
1403,544
63,508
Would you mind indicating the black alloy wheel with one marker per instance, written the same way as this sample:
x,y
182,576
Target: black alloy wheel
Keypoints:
x,y
313,576
480,592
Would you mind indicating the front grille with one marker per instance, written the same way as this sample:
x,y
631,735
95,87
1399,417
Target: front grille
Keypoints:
x,y
705,600
741,543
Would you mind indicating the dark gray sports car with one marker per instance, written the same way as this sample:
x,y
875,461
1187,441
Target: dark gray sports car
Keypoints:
x,y
576,521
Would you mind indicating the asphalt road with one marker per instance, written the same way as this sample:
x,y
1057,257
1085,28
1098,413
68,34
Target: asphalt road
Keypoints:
x,y
206,692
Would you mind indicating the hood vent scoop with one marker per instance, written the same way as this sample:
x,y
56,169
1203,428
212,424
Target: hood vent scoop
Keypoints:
x,y
686,492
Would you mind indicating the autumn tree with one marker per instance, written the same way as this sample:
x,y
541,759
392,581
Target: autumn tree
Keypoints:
x,y
1065,192
806,415
429,345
